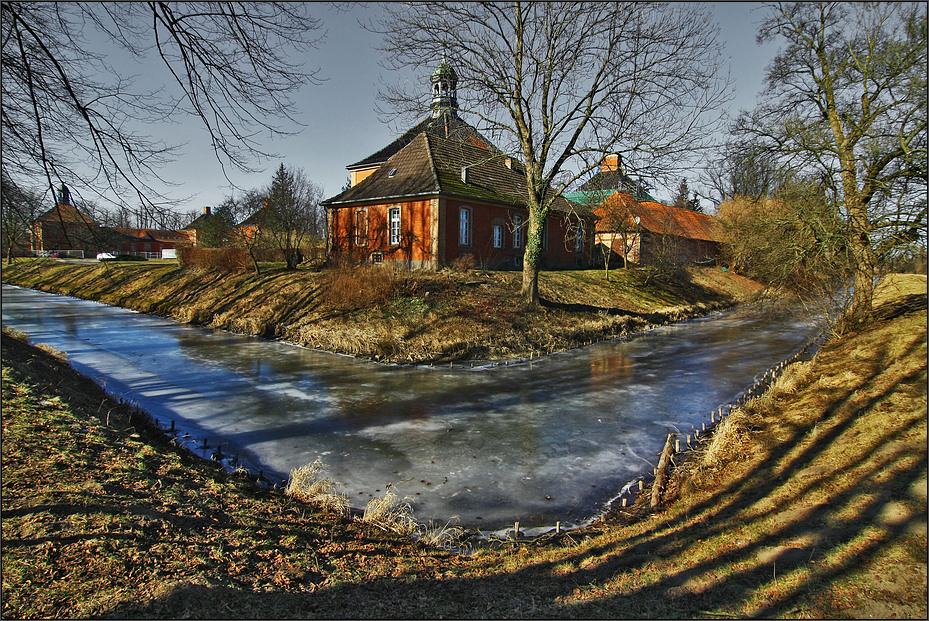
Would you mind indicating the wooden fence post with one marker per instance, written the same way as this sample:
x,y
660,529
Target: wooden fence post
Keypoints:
x,y
662,474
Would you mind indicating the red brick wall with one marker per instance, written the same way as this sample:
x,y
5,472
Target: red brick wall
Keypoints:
x,y
417,248
415,243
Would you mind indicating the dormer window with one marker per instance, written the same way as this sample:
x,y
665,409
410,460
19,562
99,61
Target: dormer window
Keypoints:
x,y
392,172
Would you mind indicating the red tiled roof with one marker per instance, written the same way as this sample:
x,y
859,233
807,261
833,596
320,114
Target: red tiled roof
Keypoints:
x,y
665,219
429,166
155,234
66,213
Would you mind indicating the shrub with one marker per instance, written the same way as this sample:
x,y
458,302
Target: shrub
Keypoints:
x,y
351,288
464,263
213,259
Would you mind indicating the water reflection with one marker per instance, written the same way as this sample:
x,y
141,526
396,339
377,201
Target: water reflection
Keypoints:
x,y
536,443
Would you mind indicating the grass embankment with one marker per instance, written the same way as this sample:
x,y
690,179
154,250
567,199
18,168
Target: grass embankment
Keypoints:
x,y
396,316
810,502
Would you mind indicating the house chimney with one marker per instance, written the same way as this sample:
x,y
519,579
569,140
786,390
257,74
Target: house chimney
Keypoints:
x,y
610,162
206,211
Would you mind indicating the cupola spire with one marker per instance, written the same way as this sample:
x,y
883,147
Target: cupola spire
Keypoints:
x,y
64,195
444,81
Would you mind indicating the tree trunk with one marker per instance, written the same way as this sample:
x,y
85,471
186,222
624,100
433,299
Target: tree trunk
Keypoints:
x,y
861,311
530,290
532,258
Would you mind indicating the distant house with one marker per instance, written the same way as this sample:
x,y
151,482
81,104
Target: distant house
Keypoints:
x,y
199,223
443,192
151,242
645,231
66,229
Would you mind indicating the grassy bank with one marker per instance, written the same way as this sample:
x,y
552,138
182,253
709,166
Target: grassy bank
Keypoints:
x,y
810,502
396,316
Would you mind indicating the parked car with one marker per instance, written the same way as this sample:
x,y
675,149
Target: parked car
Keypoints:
x,y
103,256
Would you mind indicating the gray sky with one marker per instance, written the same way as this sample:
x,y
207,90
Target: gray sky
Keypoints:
x,y
342,124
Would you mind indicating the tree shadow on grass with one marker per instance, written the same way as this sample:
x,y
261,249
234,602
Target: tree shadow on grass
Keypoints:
x,y
784,538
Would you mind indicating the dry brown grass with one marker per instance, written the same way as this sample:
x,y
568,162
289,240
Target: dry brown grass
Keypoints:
x,y
306,485
392,316
817,511
391,513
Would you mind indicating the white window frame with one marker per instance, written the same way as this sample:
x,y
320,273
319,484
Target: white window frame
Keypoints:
x,y
394,219
579,237
498,236
517,231
465,224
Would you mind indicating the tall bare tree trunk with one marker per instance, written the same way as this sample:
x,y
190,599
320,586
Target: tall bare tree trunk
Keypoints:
x,y
861,311
532,258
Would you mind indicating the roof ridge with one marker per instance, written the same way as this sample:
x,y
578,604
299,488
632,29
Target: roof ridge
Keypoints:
x,y
436,183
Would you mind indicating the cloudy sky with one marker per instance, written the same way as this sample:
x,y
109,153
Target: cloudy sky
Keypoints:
x,y
342,122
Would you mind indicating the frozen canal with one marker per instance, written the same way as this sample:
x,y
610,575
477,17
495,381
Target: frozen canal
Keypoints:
x,y
540,442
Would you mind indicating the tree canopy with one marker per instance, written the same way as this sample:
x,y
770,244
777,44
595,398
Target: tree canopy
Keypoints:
x,y
69,116
846,104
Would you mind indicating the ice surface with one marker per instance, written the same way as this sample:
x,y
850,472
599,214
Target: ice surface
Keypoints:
x,y
540,442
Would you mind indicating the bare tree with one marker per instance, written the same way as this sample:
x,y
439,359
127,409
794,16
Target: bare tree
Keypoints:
x,y
846,103
743,169
69,116
238,210
564,83
19,209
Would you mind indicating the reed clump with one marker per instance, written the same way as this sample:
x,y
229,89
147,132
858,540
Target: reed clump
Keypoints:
x,y
305,484
389,513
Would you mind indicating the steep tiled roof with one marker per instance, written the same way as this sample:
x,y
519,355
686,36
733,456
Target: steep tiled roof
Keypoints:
x,y
160,235
429,165
609,180
666,220
198,223
67,213
446,125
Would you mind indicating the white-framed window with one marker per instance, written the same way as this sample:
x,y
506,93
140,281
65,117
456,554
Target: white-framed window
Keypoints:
x,y
393,223
579,240
361,227
464,226
517,231
498,236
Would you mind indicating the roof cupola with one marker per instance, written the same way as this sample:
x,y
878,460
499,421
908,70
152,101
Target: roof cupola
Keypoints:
x,y
64,195
444,80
